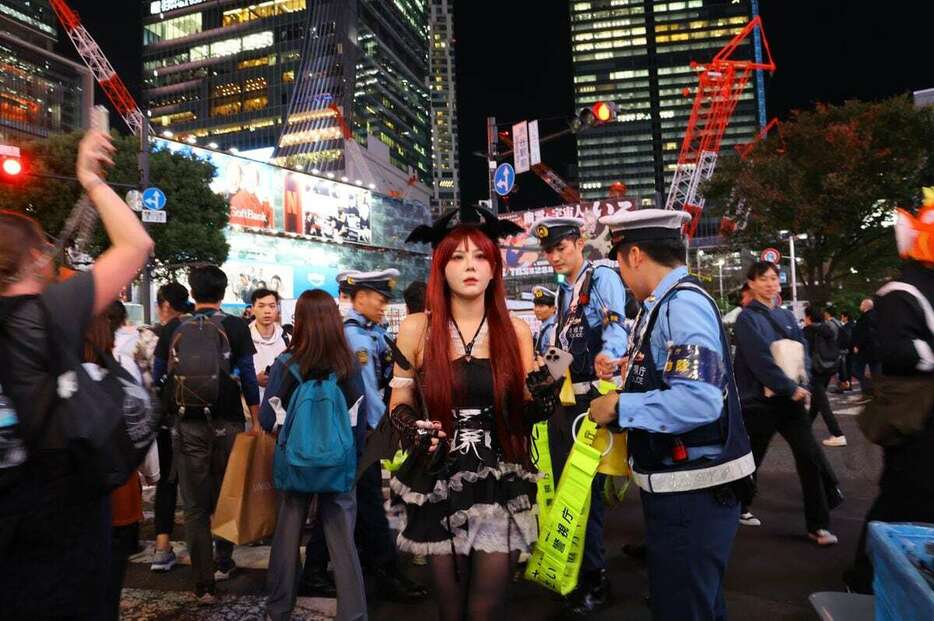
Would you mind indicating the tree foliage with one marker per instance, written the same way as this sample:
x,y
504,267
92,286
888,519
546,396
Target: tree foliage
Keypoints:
x,y
194,231
834,173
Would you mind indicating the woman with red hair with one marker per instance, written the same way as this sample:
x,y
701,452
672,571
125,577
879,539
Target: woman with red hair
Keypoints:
x,y
464,399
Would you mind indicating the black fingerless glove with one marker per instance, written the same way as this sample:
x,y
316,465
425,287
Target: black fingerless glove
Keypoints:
x,y
403,419
544,390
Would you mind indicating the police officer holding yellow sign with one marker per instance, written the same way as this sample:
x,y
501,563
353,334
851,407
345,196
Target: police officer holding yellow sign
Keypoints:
x,y
689,449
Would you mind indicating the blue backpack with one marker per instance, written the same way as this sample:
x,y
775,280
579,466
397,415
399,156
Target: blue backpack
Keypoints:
x,y
315,451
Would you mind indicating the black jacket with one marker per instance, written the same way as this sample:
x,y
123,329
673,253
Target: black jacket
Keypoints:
x,y
905,341
866,336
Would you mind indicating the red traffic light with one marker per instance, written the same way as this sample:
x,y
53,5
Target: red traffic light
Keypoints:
x,y
12,167
599,113
602,111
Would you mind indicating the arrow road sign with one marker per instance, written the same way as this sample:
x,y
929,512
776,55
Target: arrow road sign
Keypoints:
x,y
504,179
153,198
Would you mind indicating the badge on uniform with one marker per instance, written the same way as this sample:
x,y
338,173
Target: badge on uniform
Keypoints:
x,y
363,356
610,317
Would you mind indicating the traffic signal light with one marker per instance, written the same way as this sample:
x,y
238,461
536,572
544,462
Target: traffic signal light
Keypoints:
x,y
11,164
599,113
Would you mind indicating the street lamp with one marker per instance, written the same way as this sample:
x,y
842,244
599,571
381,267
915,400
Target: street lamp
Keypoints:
x,y
794,265
720,265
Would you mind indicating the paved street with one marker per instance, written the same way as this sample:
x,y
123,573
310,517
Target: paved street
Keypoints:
x,y
773,569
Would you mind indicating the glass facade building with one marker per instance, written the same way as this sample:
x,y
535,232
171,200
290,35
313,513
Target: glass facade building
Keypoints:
x,y
41,93
638,54
446,193
287,80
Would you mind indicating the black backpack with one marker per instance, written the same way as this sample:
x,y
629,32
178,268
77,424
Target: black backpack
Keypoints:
x,y
198,365
826,350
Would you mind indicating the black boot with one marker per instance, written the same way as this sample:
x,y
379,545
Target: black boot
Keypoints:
x,y
592,595
318,583
394,585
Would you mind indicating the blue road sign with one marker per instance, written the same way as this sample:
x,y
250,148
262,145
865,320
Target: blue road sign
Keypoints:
x,y
504,179
153,198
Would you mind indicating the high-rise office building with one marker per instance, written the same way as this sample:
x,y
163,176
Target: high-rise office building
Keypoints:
x,y
288,80
41,93
638,53
443,105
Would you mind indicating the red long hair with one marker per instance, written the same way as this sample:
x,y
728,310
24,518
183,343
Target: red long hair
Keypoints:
x,y
508,372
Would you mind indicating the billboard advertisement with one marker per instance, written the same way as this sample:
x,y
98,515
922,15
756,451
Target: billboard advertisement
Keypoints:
x,y
521,255
266,198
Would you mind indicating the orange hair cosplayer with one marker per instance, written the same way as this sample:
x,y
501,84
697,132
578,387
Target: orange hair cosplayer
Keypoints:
x,y
914,234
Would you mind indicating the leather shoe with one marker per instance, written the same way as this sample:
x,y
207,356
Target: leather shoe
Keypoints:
x,y
318,584
834,498
591,595
394,585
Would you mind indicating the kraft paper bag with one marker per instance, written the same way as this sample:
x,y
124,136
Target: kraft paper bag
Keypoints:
x,y
248,505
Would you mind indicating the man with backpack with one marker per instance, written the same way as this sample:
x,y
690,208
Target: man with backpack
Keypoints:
x,y
822,336
199,357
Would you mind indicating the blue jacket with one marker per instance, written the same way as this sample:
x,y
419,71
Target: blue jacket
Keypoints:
x,y
754,366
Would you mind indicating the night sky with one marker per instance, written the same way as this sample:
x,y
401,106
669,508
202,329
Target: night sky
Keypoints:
x,y
514,62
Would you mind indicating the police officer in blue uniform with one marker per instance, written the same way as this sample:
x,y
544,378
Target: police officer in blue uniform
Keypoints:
x,y
370,292
689,449
590,304
543,305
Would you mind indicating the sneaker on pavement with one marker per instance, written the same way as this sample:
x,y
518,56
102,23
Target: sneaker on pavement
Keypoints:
x,y
823,537
748,519
224,571
163,560
835,441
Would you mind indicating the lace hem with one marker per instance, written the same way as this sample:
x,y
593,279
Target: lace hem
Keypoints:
x,y
443,487
483,528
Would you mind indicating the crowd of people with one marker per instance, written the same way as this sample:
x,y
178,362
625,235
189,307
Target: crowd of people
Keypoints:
x,y
460,388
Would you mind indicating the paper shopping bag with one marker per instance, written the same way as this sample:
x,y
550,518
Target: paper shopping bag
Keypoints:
x,y
247,506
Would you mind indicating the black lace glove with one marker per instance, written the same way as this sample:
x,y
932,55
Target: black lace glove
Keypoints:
x,y
545,391
403,419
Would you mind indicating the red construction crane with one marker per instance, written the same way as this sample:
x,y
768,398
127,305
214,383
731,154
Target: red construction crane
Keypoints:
x,y
737,220
720,85
103,71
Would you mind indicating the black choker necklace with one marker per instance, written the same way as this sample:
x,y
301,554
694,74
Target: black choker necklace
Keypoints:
x,y
468,347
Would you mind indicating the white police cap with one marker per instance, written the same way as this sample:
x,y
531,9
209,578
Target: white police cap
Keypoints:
x,y
644,225
541,295
380,281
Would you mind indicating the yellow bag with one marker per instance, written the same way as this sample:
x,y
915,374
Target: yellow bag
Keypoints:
x,y
616,462
248,505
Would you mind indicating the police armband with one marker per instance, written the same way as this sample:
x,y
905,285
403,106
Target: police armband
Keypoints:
x,y
694,363
544,390
403,420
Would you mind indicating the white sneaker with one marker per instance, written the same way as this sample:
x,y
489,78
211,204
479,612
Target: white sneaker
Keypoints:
x,y
748,519
835,441
823,537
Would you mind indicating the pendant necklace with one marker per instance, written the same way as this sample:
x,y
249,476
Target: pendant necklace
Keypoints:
x,y
468,347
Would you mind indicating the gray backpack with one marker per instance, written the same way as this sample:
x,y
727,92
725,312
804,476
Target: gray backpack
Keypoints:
x,y
199,358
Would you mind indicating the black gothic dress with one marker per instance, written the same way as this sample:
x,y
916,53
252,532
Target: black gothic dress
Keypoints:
x,y
473,500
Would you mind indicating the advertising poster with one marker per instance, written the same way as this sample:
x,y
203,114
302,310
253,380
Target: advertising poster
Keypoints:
x,y
264,197
520,252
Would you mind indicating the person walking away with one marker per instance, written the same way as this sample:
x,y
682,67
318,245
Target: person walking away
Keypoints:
x,y
206,348
591,308
865,348
821,334
269,340
774,402
689,451
171,303
464,400
906,350
370,293
54,533
846,350
318,349
543,305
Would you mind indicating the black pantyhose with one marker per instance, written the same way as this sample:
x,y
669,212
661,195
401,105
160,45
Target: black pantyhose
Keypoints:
x,y
477,591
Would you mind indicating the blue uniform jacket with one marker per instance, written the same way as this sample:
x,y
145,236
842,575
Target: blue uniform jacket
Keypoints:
x,y
545,336
607,296
754,366
686,318
368,347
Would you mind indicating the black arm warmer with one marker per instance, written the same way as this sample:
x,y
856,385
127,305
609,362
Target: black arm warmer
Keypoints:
x,y
544,392
403,419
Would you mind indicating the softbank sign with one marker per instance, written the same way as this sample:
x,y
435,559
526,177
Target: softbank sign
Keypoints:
x,y
164,6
